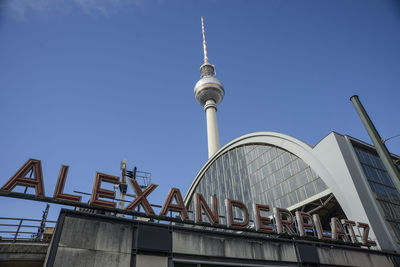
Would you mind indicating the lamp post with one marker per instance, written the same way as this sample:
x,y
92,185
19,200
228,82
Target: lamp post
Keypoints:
x,y
378,142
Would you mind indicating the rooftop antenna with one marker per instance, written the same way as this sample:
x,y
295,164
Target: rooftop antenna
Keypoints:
x,y
122,186
39,235
204,41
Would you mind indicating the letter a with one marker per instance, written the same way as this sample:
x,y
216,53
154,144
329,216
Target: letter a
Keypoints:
x,y
20,179
175,194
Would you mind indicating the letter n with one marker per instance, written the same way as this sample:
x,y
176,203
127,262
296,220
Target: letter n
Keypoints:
x,y
200,204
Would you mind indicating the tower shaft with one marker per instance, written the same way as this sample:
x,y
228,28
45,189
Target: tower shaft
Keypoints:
x,y
212,127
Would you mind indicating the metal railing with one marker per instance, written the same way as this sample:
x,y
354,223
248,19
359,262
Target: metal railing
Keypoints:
x,y
28,230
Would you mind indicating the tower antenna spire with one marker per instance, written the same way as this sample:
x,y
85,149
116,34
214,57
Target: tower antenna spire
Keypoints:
x,y
204,41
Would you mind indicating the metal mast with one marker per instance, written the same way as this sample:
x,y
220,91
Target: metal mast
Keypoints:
x,y
209,92
204,41
122,187
380,147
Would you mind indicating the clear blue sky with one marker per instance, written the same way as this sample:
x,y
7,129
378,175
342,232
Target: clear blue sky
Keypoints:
x,y
88,83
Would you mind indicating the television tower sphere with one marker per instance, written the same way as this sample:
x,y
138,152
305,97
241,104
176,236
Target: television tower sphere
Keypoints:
x,y
208,87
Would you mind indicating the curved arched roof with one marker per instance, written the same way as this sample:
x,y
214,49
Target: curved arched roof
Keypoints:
x,y
288,143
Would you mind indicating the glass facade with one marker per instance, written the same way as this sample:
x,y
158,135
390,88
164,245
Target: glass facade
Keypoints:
x,y
259,173
385,192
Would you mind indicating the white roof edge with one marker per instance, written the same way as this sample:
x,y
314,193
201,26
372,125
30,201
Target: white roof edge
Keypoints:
x,y
256,137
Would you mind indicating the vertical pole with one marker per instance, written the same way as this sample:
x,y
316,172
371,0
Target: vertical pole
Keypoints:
x,y
122,187
17,232
377,140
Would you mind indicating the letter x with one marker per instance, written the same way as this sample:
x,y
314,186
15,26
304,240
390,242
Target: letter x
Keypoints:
x,y
141,197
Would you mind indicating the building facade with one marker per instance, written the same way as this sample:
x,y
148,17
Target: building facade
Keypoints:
x,y
83,239
340,176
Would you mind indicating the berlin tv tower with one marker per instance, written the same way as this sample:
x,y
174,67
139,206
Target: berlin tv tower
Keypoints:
x,y
209,92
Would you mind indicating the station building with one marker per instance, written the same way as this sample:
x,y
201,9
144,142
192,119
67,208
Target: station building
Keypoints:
x,y
339,177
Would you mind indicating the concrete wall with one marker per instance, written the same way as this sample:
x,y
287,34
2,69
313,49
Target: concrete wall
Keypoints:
x,y
194,243
89,242
151,260
269,251
96,240
344,257
22,254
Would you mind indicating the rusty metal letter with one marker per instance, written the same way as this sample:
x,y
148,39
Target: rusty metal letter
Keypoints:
x,y
174,193
318,227
348,226
230,220
20,179
200,204
101,192
141,197
283,223
59,190
338,230
262,223
364,238
304,221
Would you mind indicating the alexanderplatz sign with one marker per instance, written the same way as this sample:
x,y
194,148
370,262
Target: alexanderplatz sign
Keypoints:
x,y
282,223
